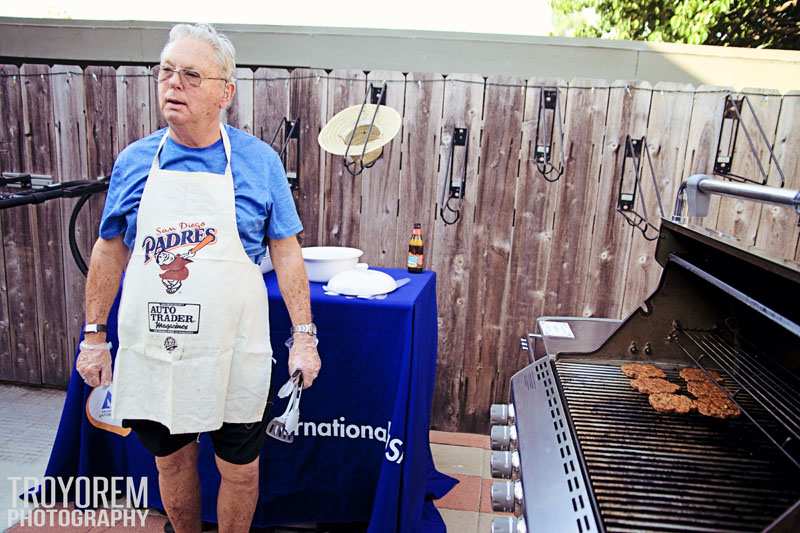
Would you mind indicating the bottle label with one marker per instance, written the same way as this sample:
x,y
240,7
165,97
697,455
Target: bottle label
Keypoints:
x,y
415,260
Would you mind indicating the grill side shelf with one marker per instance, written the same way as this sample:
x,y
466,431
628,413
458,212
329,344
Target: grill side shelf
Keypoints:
x,y
557,495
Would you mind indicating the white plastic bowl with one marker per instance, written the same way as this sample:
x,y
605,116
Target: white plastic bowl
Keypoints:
x,y
324,262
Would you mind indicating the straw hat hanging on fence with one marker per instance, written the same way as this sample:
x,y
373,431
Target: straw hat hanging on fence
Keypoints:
x,y
343,129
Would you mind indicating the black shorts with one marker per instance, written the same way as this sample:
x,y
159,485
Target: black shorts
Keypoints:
x,y
236,443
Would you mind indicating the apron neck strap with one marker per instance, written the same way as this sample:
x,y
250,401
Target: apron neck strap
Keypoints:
x,y
226,143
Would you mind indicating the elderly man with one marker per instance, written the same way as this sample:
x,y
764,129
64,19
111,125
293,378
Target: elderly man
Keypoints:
x,y
194,353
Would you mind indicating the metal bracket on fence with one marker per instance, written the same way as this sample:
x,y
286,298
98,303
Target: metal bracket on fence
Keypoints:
x,y
730,124
454,187
549,113
291,132
626,201
24,180
377,95
729,133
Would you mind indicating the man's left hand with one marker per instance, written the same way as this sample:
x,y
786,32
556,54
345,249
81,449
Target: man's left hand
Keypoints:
x,y
303,355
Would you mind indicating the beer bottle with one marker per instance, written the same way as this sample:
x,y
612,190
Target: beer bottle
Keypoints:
x,y
415,255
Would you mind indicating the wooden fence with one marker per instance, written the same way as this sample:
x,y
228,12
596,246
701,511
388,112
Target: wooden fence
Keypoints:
x,y
522,248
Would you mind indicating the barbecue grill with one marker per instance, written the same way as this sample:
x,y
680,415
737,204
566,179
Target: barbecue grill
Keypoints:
x,y
582,451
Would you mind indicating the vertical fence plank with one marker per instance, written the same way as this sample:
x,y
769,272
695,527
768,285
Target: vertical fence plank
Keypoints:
x,y
18,238
380,184
13,364
101,112
463,102
577,194
628,109
308,103
270,101
240,113
778,231
492,233
667,130
739,218
422,122
156,118
530,250
133,104
9,156
39,147
40,158
101,123
69,115
701,152
342,191
270,105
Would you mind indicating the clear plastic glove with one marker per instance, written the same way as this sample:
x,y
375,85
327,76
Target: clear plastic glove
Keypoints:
x,y
303,356
94,363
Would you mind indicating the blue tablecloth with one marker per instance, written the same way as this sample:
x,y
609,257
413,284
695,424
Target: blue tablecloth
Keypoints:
x,y
362,452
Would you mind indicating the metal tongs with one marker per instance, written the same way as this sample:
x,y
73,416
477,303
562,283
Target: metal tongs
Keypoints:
x,y
285,426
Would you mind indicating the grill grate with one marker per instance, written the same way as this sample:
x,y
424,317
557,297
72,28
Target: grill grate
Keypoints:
x,y
769,392
659,472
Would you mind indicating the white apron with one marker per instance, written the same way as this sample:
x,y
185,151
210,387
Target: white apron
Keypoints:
x,y
194,347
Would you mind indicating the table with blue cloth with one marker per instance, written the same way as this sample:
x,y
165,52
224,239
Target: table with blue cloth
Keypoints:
x,y
361,453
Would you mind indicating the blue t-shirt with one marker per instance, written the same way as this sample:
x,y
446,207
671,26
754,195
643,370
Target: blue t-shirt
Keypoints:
x,y
264,203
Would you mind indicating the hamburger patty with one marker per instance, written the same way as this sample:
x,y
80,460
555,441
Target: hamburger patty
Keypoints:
x,y
717,407
653,385
703,389
639,370
671,403
696,374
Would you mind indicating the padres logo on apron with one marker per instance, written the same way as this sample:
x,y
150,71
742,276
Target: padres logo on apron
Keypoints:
x,y
194,347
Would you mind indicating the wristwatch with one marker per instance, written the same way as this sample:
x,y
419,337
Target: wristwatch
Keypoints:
x,y
94,328
310,329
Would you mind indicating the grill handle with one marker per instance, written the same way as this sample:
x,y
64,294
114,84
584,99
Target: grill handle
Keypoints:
x,y
700,187
750,302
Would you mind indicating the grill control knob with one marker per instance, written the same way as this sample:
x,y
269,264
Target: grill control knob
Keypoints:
x,y
504,464
502,413
509,524
503,437
506,496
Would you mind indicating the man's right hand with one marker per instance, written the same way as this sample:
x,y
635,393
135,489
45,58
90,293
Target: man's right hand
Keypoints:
x,y
94,365
109,257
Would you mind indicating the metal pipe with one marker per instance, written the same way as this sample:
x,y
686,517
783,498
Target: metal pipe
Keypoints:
x,y
759,193
699,188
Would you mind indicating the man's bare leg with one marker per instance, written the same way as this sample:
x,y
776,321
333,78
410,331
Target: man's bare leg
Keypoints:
x,y
179,484
238,496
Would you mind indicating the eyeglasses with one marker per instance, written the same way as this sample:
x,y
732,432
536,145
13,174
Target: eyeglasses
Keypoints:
x,y
187,76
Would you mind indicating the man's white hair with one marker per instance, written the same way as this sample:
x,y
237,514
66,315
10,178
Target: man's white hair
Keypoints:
x,y
224,52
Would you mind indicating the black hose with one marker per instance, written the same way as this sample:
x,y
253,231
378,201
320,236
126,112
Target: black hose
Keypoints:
x,y
73,244
67,189
29,198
